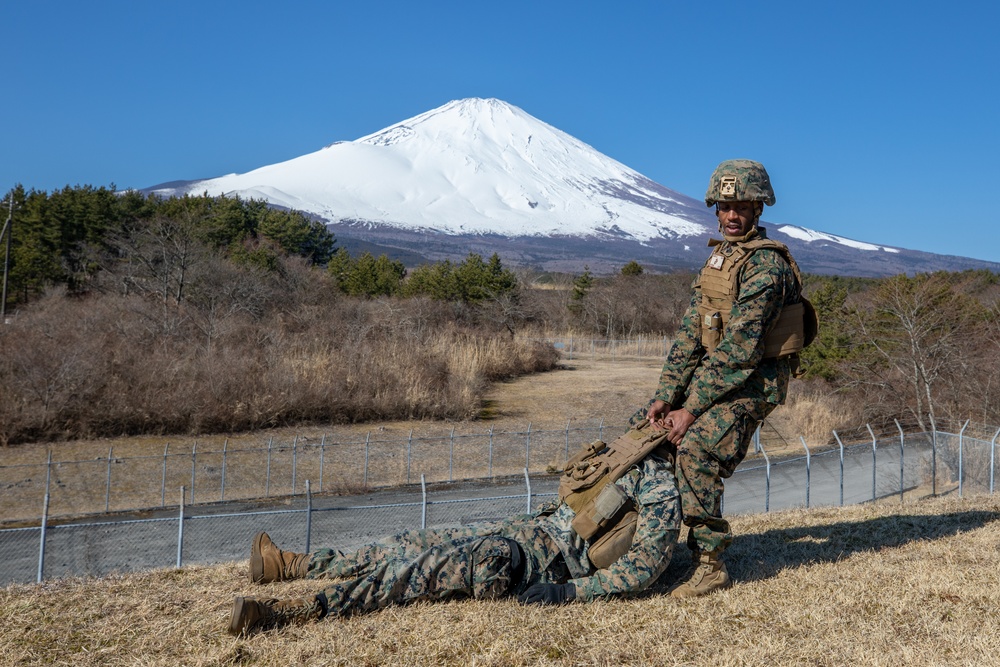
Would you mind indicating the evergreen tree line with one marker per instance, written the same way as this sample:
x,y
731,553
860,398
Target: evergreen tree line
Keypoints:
x,y
146,244
65,238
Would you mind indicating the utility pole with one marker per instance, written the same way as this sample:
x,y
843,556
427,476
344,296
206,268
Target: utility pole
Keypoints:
x,y
6,233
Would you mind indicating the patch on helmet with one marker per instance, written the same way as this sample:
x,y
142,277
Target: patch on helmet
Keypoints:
x,y
727,188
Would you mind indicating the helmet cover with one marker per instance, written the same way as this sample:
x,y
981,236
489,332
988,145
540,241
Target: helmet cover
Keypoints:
x,y
739,180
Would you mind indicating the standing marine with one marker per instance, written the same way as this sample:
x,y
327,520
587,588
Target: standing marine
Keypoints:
x,y
611,533
730,362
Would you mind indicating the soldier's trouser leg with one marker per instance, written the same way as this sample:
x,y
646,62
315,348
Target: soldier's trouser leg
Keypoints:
x,y
480,567
335,564
709,452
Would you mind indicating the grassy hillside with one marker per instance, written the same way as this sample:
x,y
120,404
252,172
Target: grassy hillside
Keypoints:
x,y
884,584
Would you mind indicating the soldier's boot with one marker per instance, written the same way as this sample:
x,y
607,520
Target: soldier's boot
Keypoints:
x,y
708,573
268,563
255,615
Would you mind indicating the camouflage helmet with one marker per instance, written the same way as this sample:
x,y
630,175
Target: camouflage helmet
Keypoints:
x,y
739,180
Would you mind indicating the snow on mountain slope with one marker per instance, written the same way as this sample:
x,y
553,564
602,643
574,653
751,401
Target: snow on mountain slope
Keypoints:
x,y
473,166
809,236
482,175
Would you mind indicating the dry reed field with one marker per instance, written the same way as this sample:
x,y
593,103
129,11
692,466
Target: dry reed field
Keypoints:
x,y
879,584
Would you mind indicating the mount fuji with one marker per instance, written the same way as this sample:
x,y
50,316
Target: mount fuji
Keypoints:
x,y
481,175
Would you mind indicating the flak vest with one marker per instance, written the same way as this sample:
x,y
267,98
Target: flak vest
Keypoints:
x,y
605,517
719,289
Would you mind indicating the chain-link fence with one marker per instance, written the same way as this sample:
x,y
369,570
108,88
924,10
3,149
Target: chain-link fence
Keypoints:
x,y
614,349
273,468
172,536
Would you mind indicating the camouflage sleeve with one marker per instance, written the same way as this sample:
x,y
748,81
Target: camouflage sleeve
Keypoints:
x,y
655,494
764,282
684,355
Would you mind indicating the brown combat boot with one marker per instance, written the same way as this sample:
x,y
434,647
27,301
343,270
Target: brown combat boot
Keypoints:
x,y
268,563
254,615
708,573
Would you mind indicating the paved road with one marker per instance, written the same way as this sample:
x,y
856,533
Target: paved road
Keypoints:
x,y
222,532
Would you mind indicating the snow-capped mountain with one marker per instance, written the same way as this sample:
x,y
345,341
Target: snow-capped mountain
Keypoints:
x,y
481,175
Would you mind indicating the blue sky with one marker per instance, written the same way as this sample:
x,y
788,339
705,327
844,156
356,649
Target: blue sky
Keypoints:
x,y
877,121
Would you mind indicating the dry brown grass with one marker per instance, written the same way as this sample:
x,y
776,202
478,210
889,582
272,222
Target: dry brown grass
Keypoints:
x,y
880,585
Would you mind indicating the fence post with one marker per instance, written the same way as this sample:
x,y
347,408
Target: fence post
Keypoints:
x,y
163,480
808,469
961,445
367,441
41,540
993,448
180,529
309,516
267,480
874,462
527,448
48,474
451,454
601,431
756,437
225,452
489,472
933,457
527,483
767,481
841,467
902,441
409,449
567,439
322,452
194,459
295,454
423,502
107,492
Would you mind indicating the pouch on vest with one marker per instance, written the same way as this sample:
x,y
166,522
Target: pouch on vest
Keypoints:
x,y
600,511
615,543
711,330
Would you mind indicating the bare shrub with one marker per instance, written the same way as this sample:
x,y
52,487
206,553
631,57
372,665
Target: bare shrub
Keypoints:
x,y
242,357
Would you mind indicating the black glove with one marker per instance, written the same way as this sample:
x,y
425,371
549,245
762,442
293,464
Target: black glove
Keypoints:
x,y
548,594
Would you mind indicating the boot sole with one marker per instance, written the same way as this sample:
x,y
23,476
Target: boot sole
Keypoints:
x,y
256,560
235,624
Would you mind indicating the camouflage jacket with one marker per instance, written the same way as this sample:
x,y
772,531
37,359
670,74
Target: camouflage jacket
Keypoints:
x,y
695,380
651,486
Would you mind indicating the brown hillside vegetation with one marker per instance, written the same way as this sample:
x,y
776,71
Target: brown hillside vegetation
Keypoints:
x,y
884,584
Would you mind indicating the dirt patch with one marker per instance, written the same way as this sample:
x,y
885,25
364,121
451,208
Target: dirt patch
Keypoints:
x,y
578,389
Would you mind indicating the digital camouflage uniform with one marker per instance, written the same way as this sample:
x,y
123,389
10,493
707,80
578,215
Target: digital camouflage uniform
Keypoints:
x,y
476,560
729,390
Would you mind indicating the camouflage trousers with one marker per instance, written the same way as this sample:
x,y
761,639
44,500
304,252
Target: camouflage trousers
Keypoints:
x,y
711,449
469,561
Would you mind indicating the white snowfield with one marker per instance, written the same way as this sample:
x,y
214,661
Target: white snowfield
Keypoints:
x,y
478,166
809,236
